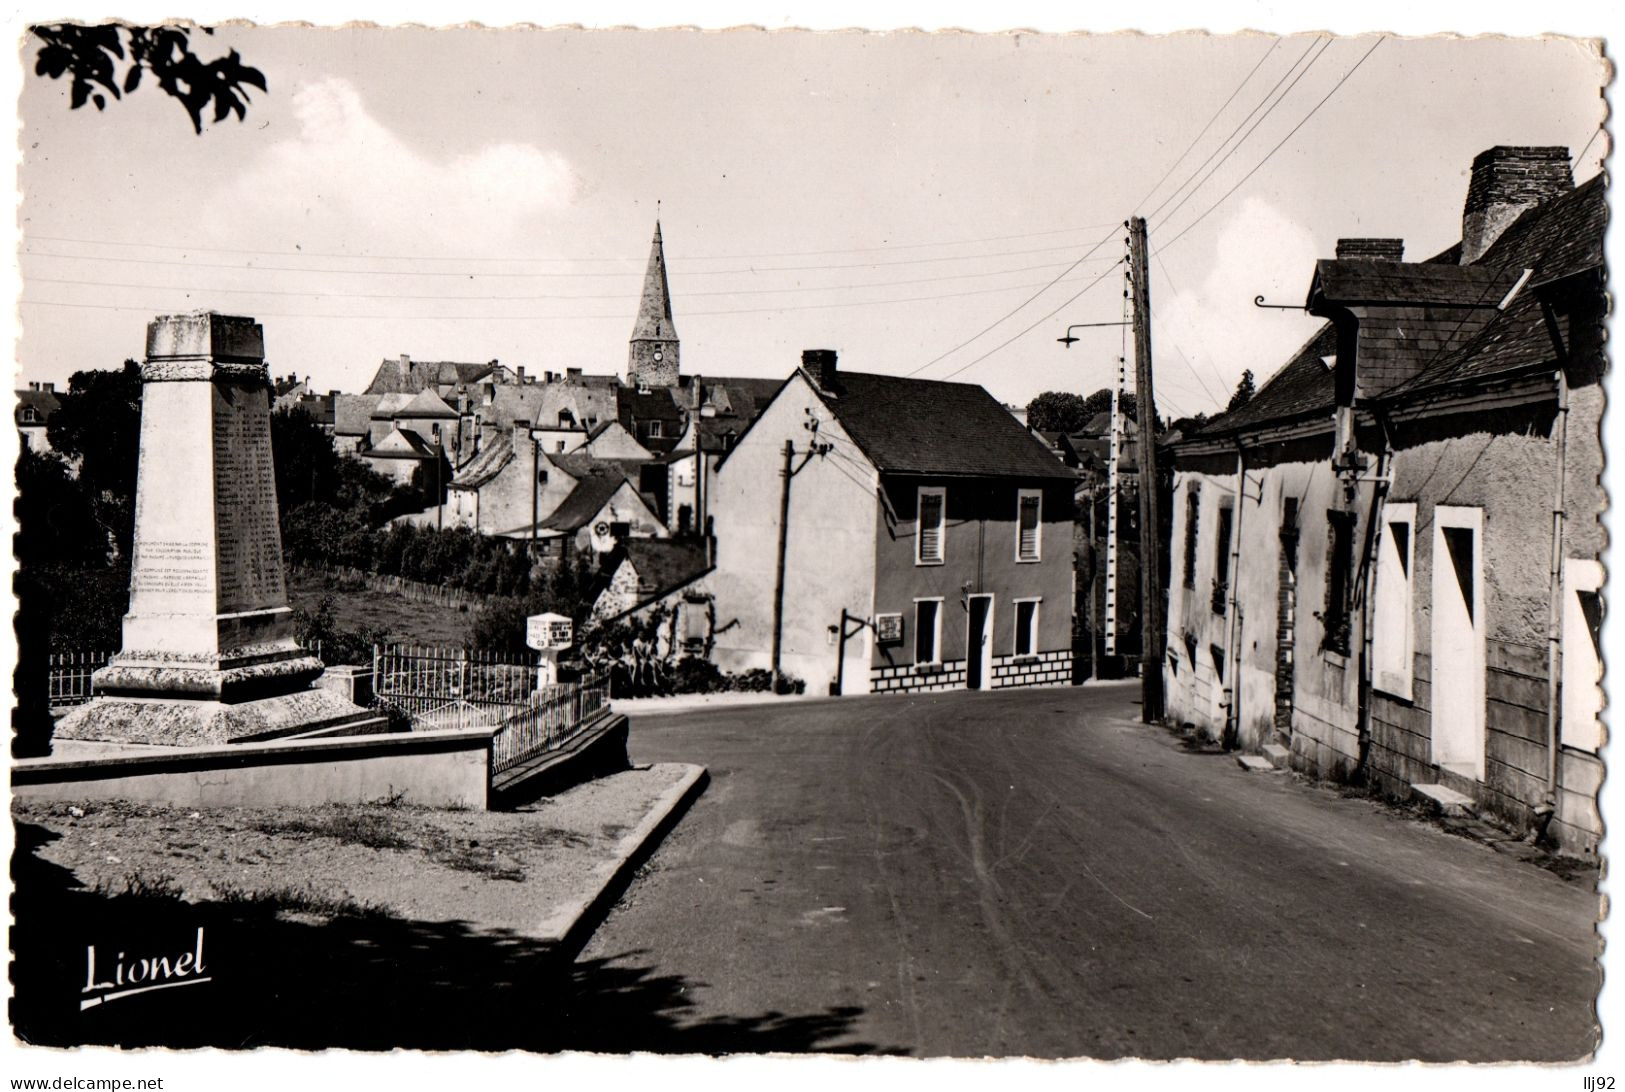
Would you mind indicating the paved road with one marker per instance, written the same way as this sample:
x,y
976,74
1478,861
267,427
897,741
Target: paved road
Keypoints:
x,y
1035,873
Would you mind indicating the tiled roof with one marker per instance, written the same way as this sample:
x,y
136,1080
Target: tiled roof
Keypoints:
x,y
581,464
43,403
426,403
1353,281
487,464
664,564
416,375
585,501
924,426
352,412
387,404
1304,385
1557,239
401,443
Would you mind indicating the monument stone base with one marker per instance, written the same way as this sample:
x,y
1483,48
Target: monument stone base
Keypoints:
x,y
172,722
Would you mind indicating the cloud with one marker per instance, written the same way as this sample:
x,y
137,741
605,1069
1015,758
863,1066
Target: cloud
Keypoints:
x,y
1211,320
348,182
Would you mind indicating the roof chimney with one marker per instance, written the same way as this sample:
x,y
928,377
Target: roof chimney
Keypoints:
x,y
1507,182
1380,250
519,372
819,364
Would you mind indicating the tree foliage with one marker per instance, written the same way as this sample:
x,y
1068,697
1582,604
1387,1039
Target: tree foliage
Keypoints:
x,y
110,60
1244,392
1058,411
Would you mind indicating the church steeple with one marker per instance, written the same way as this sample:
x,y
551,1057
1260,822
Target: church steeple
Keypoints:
x,y
652,351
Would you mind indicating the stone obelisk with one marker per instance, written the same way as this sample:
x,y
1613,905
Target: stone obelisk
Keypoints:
x,y
208,653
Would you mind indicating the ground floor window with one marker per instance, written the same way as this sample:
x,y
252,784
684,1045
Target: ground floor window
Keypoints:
x,y
1026,627
927,631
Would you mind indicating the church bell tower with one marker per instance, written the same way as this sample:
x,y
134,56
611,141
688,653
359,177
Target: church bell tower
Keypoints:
x,y
652,351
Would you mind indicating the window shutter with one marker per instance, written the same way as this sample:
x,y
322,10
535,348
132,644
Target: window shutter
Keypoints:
x,y
1028,544
930,527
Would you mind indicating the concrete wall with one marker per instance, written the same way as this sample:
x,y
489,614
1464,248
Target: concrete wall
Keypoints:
x,y
434,769
1511,474
978,558
1324,733
830,553
505,501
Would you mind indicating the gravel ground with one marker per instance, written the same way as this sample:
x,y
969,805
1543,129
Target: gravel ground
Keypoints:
x,y
493,870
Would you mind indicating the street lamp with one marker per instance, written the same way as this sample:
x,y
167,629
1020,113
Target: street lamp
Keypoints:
x,y
1069,339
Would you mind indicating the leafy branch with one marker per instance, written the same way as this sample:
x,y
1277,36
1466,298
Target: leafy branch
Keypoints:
x,y
99,65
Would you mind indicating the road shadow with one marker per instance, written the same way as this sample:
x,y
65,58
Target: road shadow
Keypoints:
x,y
363,980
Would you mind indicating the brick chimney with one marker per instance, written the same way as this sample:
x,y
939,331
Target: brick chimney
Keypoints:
x,y
819,364
1506,182
1381,250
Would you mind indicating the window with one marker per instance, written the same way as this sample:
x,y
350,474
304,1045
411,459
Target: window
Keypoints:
x,y
1026,627
1193,511
927,631
928,541
1221,560
541,477
654,430
1339,581
1028,527
30,415
1391,636
560,447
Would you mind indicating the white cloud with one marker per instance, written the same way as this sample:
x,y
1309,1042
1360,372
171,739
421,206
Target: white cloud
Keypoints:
x,y
347,182
1257,251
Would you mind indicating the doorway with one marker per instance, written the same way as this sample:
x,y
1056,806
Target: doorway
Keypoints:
x,y
978,639
1458,649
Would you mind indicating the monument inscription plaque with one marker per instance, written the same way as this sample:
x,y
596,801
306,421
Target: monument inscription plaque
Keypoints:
x,y
208,654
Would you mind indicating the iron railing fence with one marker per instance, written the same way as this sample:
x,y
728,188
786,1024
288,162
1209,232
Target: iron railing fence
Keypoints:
x,y
549,720
69,681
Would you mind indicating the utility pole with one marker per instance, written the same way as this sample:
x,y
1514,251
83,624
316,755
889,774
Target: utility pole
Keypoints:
x,y
1114,486
1152,636
787,473
778,574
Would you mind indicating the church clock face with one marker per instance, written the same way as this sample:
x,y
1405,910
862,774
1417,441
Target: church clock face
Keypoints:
x,y
659,356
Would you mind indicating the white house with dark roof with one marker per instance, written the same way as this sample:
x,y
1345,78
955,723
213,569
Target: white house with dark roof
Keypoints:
x,y
920,514
35,405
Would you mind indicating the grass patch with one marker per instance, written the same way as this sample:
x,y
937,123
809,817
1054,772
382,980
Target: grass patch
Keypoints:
x,y
359,826
404,620
297,900
139,885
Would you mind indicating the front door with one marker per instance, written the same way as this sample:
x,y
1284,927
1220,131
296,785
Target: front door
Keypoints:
x,y
1458,641
978,639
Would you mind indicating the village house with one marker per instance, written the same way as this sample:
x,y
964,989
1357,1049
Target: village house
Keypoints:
x,y
34,408
924,541
1388,563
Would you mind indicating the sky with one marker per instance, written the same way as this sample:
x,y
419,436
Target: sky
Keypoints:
x,y
928,204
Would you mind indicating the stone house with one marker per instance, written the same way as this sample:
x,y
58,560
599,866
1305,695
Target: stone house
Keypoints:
x,y
921,515
1388,563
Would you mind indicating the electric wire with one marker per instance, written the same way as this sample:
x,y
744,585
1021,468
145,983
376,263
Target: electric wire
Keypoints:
x,y
1325,44
1313,110
1196,139
1013,311
555,258
550,295
1221,145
